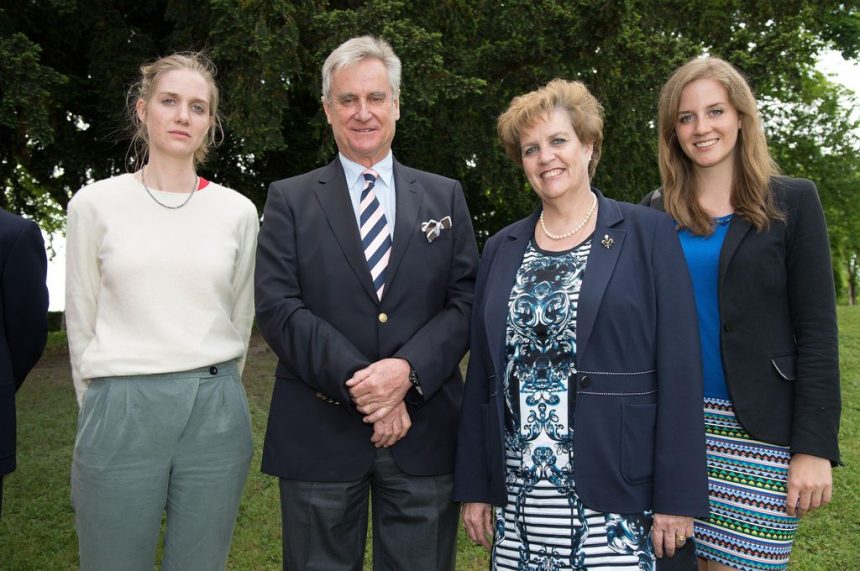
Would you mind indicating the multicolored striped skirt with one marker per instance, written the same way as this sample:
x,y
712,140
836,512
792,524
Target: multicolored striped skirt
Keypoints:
x,y
748,528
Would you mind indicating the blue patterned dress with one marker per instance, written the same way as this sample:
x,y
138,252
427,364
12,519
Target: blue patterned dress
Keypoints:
x,y
545,526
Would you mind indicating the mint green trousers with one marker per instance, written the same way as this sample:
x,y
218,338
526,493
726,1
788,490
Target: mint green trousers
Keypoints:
x,y
178,443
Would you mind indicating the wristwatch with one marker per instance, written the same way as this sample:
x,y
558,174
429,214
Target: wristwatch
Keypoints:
x,y
413,378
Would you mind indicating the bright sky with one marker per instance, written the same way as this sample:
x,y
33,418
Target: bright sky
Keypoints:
x,y
57,275
844,72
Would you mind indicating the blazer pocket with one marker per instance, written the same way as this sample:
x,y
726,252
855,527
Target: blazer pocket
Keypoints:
x,y
785,366
638,425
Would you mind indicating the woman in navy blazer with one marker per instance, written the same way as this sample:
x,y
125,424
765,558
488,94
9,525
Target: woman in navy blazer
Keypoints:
x,y
583,345
758,254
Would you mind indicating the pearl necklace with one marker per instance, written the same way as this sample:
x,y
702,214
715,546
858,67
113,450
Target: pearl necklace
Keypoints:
x,y
578,227
152,196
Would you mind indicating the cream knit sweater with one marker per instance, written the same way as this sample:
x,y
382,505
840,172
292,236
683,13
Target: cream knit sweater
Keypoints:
x,y
152,290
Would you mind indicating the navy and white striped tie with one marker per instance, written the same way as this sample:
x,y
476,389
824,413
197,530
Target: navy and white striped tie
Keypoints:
x,y
375,237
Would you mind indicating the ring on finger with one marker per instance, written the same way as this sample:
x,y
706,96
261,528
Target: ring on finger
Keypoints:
x,y
680,539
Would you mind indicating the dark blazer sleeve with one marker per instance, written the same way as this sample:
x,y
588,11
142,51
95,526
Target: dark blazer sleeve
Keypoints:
x,y
317,353
25,300
471,467
653,199
812,300
435,350
680,473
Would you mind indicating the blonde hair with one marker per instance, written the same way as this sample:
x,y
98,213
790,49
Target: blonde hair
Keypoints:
x,y
751,195
143,89
583,109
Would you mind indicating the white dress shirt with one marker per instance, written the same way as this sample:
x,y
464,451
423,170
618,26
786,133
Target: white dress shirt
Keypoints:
x,y
384,187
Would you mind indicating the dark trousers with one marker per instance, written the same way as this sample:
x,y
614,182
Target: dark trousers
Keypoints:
x,y
414,521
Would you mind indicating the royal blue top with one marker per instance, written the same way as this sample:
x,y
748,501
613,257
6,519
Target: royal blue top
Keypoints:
x,y
703,260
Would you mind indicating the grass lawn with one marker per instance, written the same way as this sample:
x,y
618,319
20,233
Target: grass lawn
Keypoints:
x,y
37,533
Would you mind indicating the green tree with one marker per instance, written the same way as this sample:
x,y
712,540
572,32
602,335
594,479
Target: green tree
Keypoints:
x,y
25,127
62,119
62,86
812,136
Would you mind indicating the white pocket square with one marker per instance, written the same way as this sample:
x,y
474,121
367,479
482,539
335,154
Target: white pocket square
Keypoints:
x,y
433,228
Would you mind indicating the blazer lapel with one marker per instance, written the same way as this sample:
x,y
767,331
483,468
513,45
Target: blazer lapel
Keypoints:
x,y
738,228
409,195
606,245
333,195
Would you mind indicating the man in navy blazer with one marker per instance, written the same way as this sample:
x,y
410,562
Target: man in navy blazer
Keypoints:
x,y
23,320
364,278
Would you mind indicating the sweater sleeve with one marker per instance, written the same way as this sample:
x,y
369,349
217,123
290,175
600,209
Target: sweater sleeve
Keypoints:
x,y
82,284
243,279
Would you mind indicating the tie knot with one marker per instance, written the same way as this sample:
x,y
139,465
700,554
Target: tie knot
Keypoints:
x,y
370,175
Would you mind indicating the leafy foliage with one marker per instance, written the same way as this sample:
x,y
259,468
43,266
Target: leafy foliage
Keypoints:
x,y
62,86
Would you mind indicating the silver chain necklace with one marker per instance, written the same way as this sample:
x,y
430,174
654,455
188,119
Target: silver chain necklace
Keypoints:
x,y
575,230
152,196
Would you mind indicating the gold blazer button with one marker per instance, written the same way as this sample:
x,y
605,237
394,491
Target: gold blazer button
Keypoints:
x,y
383,318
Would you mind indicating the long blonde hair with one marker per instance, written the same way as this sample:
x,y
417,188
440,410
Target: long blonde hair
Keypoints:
x,y
751,195
143,90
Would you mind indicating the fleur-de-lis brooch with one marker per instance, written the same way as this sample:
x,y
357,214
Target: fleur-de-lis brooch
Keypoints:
x,y
607,241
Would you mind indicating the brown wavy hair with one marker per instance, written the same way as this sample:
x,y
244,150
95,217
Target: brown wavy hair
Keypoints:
x,y
143,90
751,196
585,112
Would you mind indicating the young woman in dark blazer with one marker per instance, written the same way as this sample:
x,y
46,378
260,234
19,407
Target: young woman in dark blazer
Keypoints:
x,y
757,249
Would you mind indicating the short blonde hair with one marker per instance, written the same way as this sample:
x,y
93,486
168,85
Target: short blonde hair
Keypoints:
x,y
144,88
583,109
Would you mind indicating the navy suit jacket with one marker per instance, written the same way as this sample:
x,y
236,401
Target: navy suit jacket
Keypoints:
x,y
779,341
317,309
637,397
23,318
